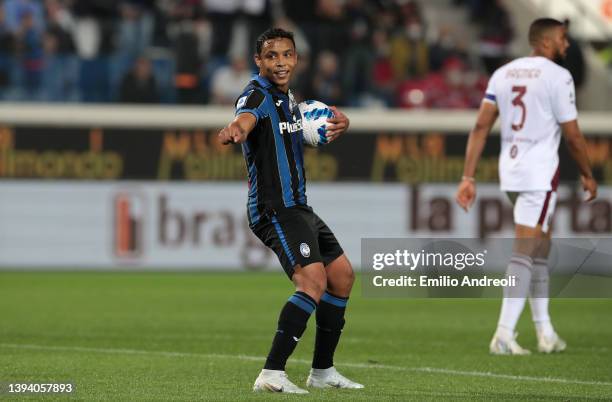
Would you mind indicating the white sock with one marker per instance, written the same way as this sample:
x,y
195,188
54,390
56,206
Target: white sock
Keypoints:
x,y
514,297
538,297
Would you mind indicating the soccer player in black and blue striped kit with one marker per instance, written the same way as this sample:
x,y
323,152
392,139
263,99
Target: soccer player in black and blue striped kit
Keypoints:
x,y
268,126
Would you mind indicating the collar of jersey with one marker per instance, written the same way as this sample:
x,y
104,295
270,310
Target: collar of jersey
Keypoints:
x,y
265,83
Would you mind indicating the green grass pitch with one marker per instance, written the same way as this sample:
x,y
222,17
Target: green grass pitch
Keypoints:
x,y
203,336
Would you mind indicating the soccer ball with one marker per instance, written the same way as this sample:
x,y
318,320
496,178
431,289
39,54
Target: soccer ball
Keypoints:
x,y
314,121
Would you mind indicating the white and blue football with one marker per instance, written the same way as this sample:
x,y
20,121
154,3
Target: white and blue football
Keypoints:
x,y
314,121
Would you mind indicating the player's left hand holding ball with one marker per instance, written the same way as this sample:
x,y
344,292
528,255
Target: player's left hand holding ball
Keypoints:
x,y
337,124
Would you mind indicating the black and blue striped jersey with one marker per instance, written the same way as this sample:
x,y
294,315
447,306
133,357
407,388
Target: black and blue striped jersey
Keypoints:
x,y
274,150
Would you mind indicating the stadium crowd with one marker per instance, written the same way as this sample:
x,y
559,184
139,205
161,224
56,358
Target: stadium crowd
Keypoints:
x,y
352,52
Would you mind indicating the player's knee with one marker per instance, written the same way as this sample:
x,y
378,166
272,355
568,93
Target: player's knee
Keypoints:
x,y
311,280
350,276
314,287
347,278
341,282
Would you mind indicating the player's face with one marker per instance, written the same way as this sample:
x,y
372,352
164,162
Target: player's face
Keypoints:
x,y
276,61
559,43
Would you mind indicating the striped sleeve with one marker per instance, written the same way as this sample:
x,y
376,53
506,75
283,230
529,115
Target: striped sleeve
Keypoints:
x,y
252,101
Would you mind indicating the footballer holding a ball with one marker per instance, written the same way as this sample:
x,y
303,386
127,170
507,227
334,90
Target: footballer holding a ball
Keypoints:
x,y
268,125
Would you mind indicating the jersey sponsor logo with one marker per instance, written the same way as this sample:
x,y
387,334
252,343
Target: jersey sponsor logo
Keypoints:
x,y
290,127
305,250
278,102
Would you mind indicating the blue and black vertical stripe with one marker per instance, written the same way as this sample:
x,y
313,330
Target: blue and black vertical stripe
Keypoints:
x,y
274,158
283,239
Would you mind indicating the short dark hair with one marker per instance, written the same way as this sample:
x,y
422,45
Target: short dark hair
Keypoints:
x,y
540,26
272,33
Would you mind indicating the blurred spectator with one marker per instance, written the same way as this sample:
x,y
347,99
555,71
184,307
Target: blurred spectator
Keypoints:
x,y
7,44
326,79
332,27
60,24
383,79
574,60
94,27
454,87
303,14
16,9
604,51
452,92
134,35
322,22
409,49
222,14
355,52
447,44
475,8
135,26
229,81
358,62
30,49
138,85
93,34
60,65
188,65
495,35
258,15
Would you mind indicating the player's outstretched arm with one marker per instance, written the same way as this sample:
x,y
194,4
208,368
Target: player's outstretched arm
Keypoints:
x,y
237,131
466,192
577,147
339,124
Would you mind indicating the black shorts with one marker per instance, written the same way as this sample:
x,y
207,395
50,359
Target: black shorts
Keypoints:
x,y
298,237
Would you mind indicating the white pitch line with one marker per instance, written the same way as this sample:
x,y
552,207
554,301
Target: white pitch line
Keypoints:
x,y
431,370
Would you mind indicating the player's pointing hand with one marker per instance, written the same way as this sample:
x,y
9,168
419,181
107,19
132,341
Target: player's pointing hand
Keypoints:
x,y
236,132
338,124
229,135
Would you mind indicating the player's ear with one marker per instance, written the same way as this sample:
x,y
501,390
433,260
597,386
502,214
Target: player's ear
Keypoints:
x,y
257,59
547,40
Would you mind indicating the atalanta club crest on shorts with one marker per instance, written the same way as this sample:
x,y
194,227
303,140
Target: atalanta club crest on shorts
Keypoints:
x,y
305,250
